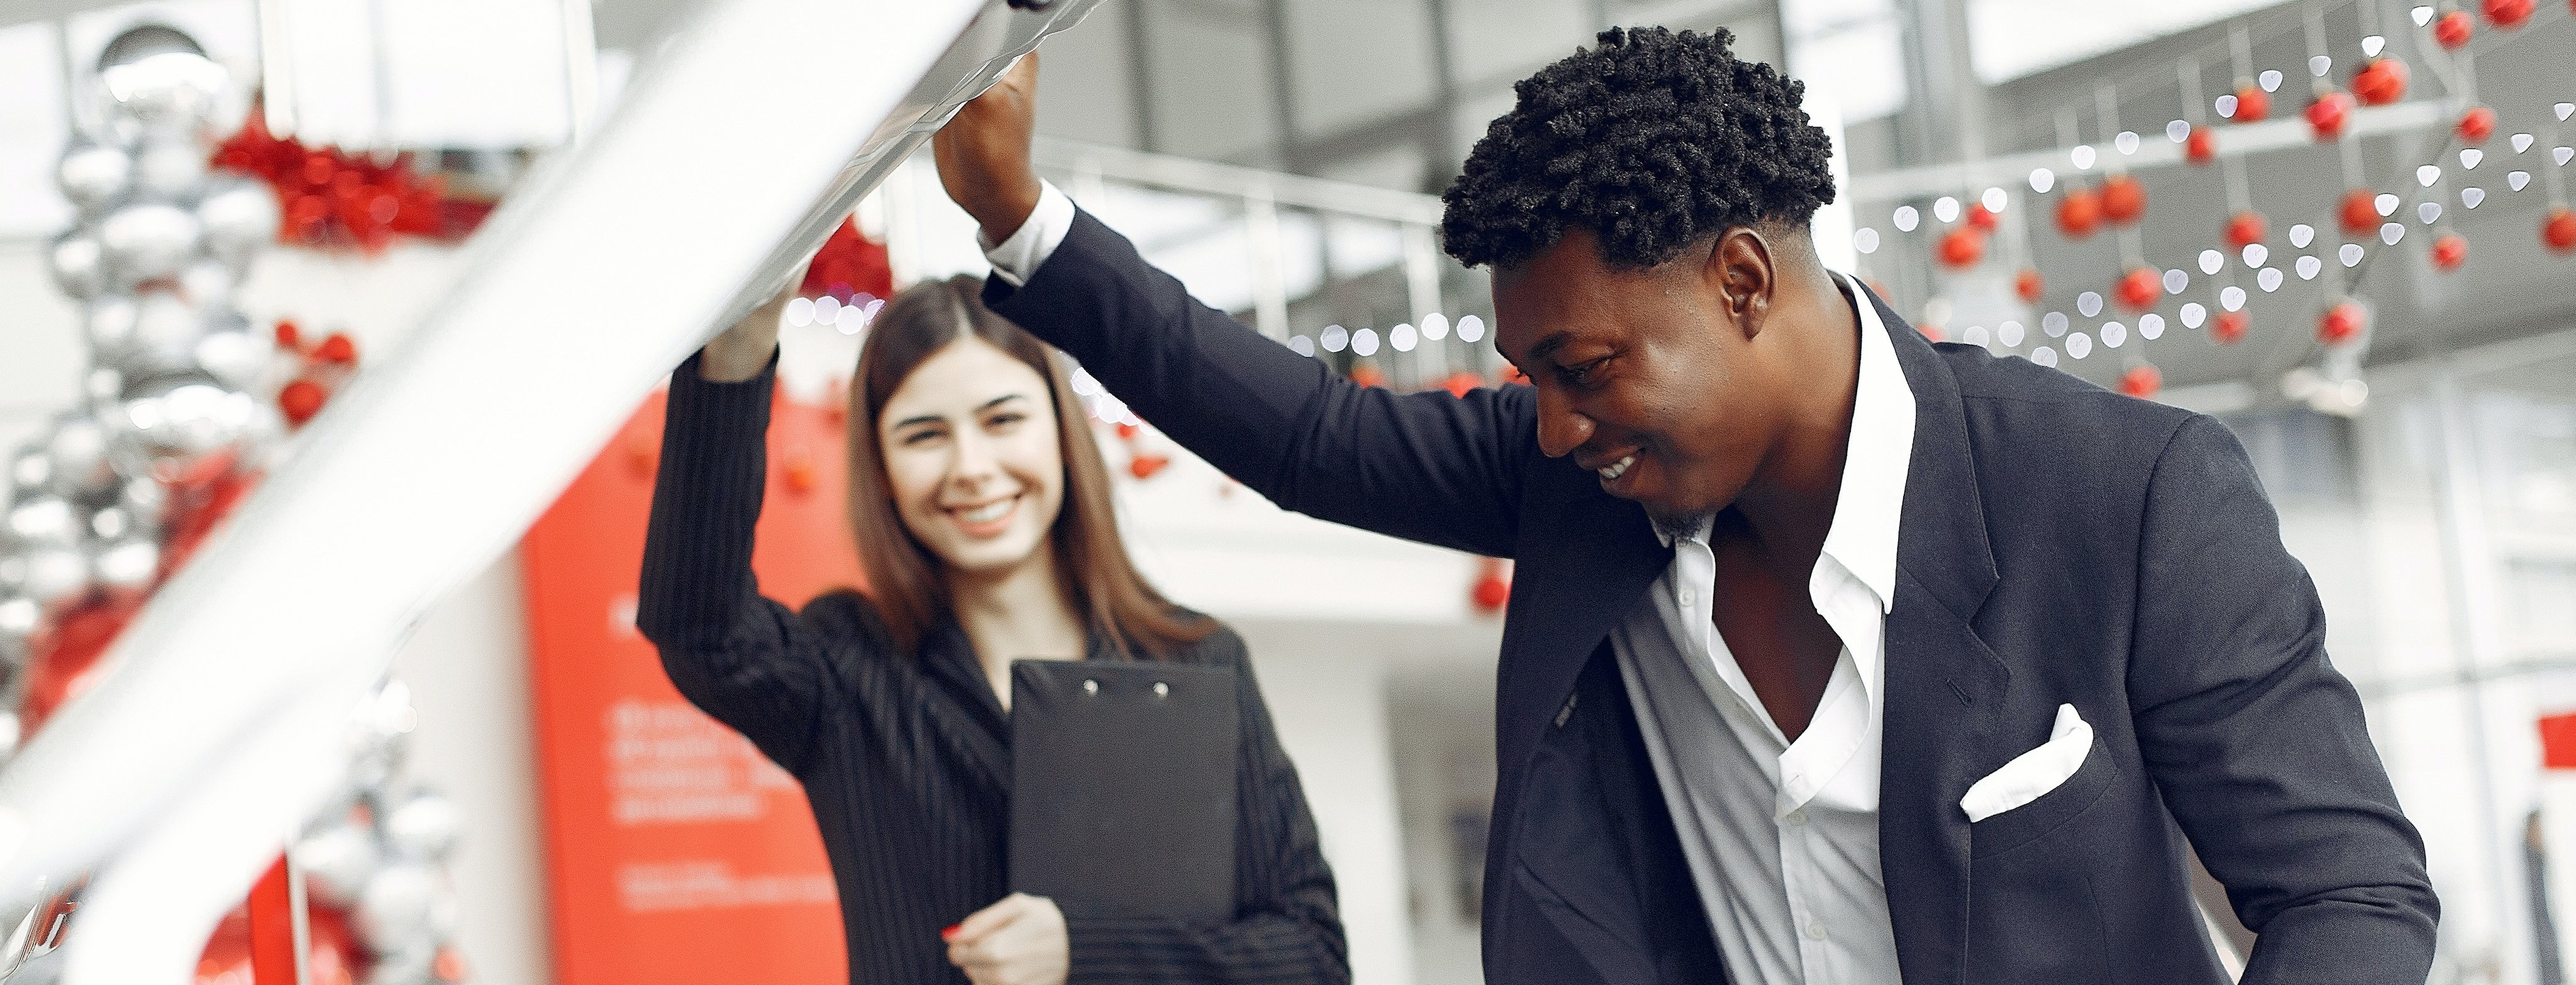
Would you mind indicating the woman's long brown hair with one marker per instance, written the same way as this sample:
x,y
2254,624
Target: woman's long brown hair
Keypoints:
x,y
906,581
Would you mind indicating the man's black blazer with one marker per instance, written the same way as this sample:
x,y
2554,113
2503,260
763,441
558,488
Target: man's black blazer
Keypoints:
x,y
2058,544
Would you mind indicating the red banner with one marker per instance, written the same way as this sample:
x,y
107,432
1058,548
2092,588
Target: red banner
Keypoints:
x,y
675,852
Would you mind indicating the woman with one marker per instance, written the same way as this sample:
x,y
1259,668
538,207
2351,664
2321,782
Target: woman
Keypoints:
x,y
983,513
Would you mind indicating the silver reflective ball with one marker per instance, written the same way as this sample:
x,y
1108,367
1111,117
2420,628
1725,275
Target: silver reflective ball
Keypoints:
x,y
417,966
108,323
208,284
127,566
145,501
31,470
166,330
92,175
425,827
19,616
79,264
396,911
379,734
159,78
239,215
236,356
337,862
144,240
56,575
45,521
81,468
170,166
170,424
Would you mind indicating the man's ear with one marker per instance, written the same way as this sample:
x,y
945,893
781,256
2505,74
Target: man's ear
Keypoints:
x,y
1740,274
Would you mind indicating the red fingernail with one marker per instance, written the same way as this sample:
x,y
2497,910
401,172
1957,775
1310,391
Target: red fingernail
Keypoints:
x,y
950,933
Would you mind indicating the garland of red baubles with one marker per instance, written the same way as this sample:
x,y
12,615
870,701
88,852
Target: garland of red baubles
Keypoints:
x,y
329,196
2122,199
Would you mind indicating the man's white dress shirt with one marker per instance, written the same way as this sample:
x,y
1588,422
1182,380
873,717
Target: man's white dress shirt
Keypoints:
x,y
1782,837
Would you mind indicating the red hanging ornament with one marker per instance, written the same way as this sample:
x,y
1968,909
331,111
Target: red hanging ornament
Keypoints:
x,y
2508,14
1932,332
1981,217
2028,285
2246,229
2381,82
1493,588
2450,250
1367,374
2228,328
2328,115
2452,30
337,348
2360,211
2558,230
2137,290
1459,384
300,399
2201,146
2124,199
1511,374
1143,466
2253,105
2142,381
2079,212
2341,323
1962,247
2476,125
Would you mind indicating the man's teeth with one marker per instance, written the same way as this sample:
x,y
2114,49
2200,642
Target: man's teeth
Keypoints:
x,y
1615,469
988,512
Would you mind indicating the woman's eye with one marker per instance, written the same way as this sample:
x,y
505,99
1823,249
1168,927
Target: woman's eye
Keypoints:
x,y
999,421
915,439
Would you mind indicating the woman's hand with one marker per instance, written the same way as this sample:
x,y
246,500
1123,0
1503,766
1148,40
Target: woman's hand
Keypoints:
x,y
743,350
1018,941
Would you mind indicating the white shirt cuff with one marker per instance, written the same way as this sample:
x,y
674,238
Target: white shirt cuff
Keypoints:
x,y
1018,257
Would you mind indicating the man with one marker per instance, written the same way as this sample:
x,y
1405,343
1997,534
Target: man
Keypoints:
x,y
1833,656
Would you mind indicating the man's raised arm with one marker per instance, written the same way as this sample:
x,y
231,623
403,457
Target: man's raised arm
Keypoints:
x,y
1427,467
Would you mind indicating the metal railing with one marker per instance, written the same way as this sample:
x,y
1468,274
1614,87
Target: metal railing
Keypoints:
x,y
219,726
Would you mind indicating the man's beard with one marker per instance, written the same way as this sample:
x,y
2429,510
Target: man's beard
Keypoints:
x,y
1684,527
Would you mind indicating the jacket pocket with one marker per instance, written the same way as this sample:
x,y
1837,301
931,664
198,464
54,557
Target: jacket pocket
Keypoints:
x,y
2035,820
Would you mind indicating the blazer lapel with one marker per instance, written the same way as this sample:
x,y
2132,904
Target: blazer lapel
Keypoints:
x,y
1586,559
1943,683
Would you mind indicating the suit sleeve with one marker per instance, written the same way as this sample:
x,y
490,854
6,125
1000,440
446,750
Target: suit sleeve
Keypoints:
x,y
1286,926
1424,466
2257,743
748,661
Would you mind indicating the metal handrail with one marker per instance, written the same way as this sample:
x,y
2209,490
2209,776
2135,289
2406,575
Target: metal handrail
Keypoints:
x,y
219,724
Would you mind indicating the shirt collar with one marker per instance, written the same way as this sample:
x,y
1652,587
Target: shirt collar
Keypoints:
x,y
1863,536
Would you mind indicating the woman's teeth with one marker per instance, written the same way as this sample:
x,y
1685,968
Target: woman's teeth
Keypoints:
x,y
1613,470
988,512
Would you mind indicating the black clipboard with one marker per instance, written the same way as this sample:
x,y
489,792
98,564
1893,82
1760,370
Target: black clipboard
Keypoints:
x,y
1123,787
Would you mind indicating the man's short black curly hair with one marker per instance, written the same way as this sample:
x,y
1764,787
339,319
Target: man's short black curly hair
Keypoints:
x,y
1653,140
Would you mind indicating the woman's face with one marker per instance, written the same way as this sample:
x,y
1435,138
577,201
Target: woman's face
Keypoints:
x,y
973,457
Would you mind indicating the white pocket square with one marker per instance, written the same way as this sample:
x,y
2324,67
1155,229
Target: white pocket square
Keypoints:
x,y
2033,774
